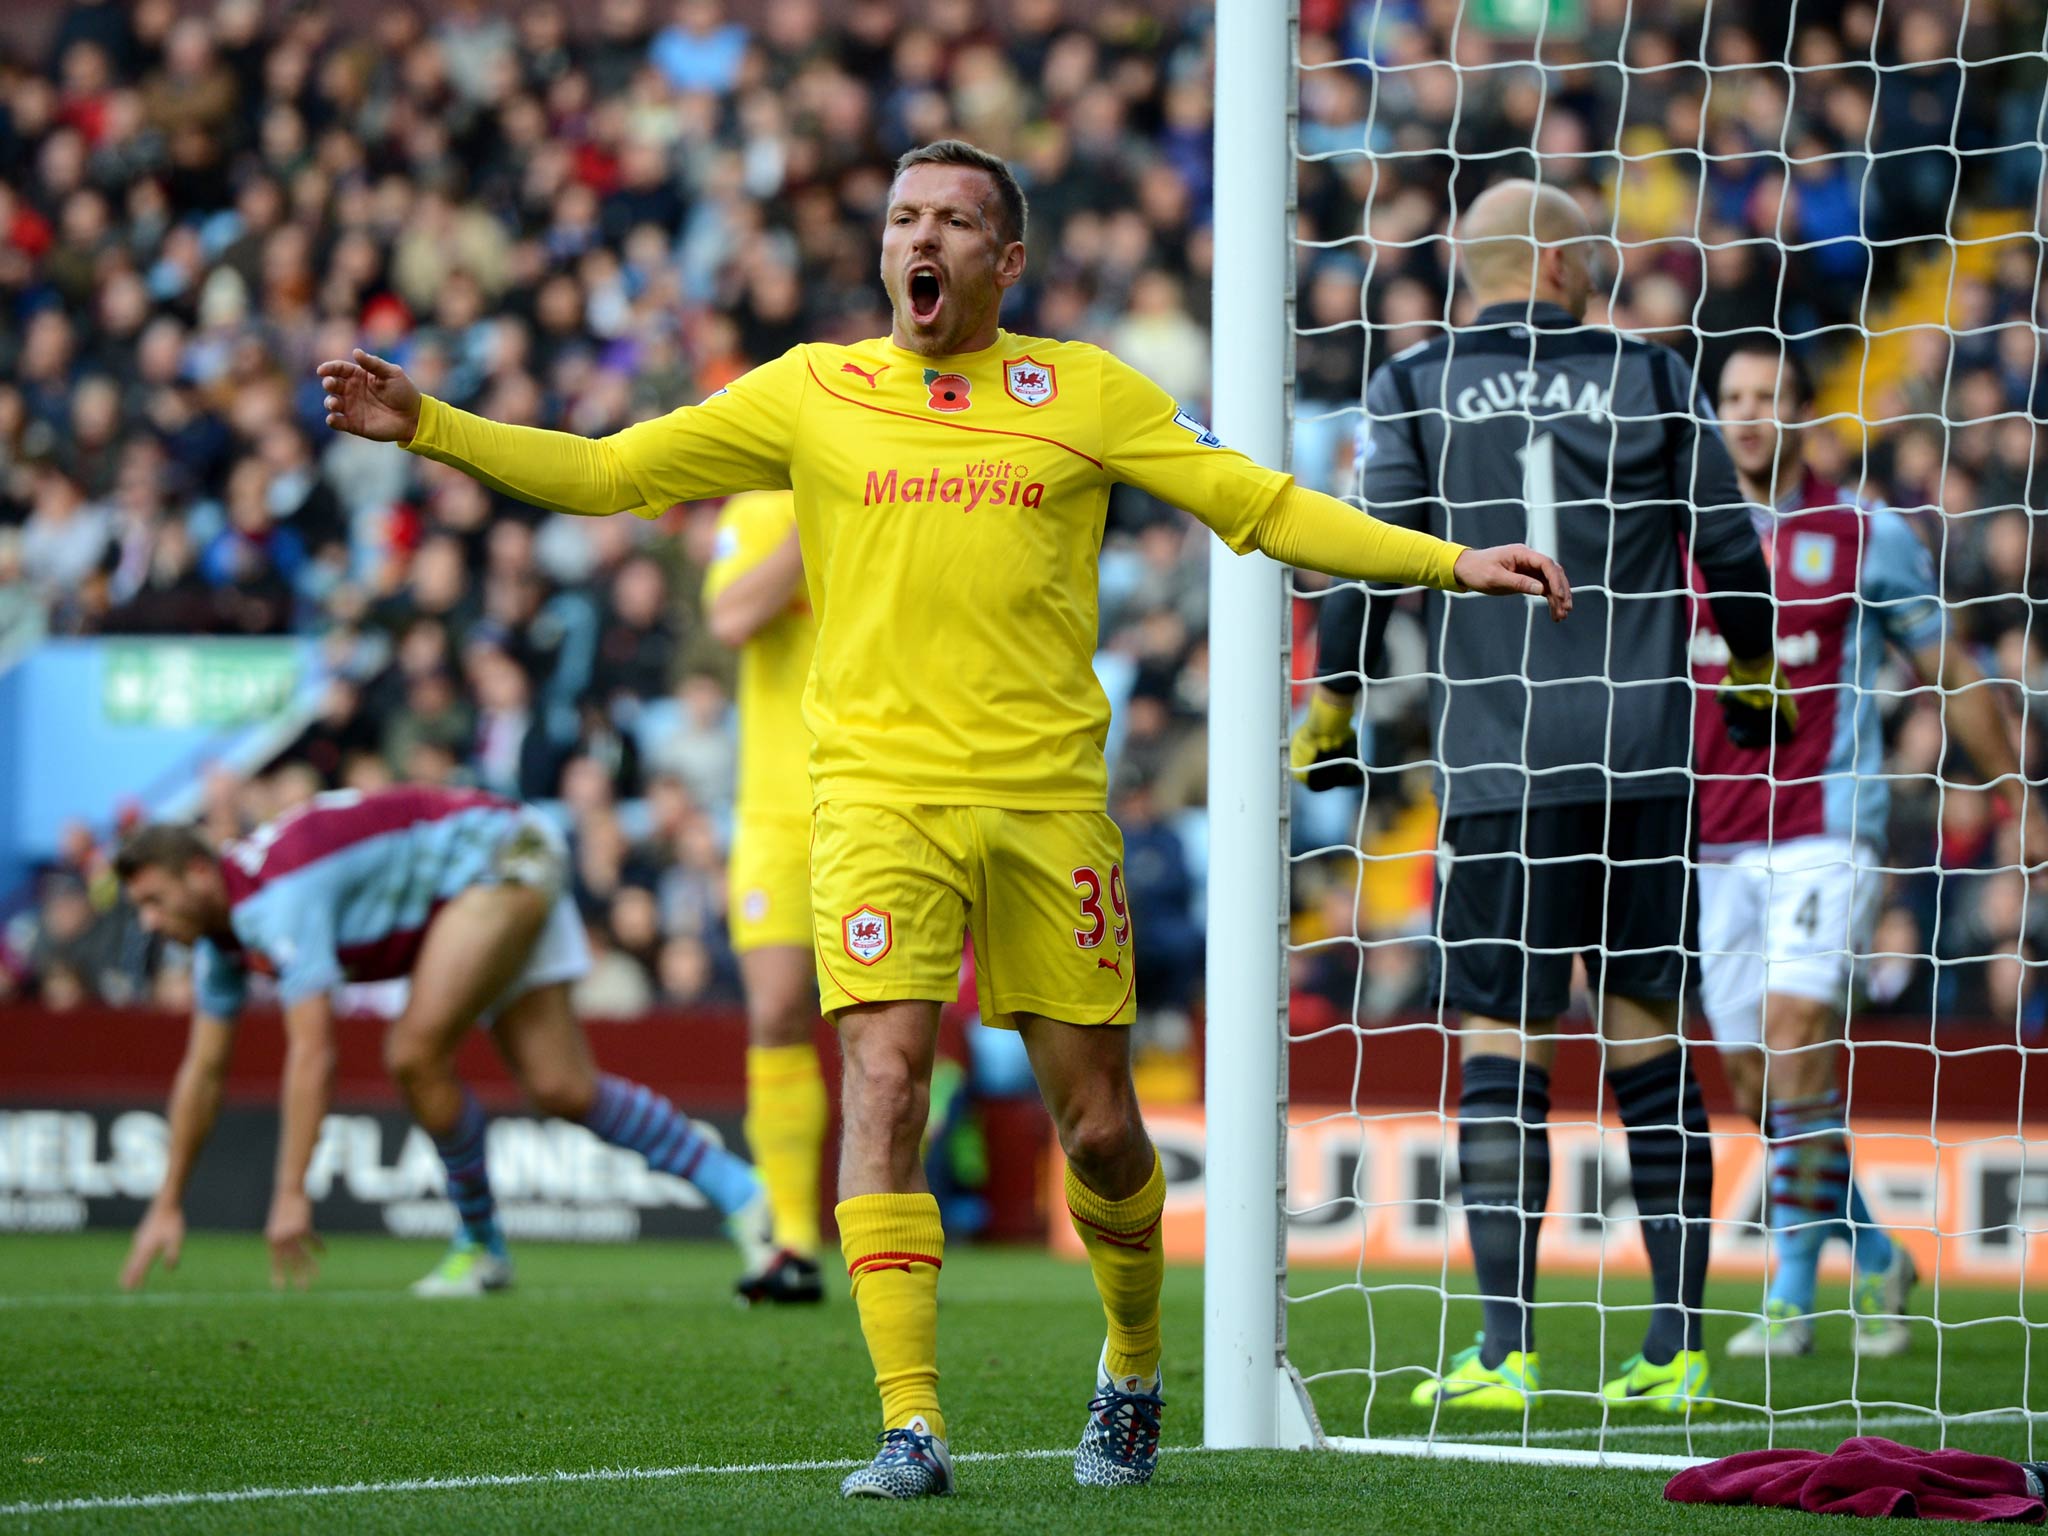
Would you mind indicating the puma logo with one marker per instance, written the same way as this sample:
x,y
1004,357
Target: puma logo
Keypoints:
x,y
1104,963
873,379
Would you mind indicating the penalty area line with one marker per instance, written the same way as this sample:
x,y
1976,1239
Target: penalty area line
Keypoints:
x,y
481,1480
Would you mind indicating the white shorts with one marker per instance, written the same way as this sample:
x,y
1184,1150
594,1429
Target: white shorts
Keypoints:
x,y
561,953
1786,920
537,854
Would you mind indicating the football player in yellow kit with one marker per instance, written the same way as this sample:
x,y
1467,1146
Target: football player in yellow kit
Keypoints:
x,y
951,482
755,602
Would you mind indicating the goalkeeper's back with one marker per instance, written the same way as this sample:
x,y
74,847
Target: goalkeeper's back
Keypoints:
x,y
1595,448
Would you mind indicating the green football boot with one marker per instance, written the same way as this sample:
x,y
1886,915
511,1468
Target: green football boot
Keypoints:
x,y
1505,1388
1684,1386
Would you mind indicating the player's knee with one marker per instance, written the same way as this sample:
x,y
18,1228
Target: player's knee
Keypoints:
x,y
884,1093
408,1058
1101,1136
565,1095
1796,1023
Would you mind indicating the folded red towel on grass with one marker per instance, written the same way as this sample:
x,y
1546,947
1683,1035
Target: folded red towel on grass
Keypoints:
x,y
1871,1476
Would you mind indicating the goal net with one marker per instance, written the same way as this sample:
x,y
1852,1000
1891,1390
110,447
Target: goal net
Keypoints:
x,y
1859,186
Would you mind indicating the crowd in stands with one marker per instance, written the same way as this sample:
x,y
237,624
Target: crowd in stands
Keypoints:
x,y
579,217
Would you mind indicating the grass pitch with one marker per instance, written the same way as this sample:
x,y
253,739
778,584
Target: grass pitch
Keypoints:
x,y
609,1362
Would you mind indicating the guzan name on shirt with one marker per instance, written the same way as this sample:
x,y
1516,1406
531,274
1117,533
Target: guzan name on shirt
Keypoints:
x,y
984,483
1525,389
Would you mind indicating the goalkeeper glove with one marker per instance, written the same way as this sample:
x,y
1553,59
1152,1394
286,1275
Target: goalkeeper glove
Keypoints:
x,y
1757,704
1324,752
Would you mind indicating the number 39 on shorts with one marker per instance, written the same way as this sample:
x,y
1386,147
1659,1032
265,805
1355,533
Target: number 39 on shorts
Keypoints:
x,y
1095,923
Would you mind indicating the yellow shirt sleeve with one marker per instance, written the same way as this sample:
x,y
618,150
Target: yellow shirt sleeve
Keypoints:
x,y
558,471
1321,533
741,439
750,529
1150,442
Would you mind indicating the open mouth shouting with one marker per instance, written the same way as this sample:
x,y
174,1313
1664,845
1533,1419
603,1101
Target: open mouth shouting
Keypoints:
x,y
924,293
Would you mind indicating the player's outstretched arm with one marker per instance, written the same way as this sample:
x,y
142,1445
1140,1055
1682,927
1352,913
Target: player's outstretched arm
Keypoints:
x,y
303,1095
371,397
194,1104
1508,569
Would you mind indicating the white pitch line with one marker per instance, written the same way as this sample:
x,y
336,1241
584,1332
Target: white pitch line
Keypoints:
x,y
1717,1427
481,1480
396,1295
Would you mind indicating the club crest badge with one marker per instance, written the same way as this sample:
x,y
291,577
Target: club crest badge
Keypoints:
x,y
867,934
1813,557
1030,382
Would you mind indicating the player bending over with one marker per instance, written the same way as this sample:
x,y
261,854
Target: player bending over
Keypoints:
x,y
754,601
951,483
459,891
1790,838
1562,756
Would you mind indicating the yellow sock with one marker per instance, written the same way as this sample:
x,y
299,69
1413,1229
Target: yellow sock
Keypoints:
x,y
786,1129
894,1246
1122,1239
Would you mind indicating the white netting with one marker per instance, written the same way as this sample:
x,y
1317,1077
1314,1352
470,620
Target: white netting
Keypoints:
x,y
1863,184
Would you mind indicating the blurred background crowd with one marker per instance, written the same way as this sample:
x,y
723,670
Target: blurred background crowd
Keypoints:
x,y
581,217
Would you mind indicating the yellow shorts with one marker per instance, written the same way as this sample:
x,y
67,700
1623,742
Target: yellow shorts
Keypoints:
x,y
1042,892
768,883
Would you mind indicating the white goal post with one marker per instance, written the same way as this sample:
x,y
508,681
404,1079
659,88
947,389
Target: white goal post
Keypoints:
x,y
1248,1396
1253,1395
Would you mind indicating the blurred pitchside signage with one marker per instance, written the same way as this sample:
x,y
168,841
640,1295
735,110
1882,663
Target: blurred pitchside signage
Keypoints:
x,y
62,1170
204,682
1557,20
1379,1188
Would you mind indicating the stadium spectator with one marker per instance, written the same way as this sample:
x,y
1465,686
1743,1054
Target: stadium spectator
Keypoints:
x,y
577,216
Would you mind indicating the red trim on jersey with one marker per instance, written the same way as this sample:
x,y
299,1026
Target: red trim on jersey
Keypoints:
x,y
957,426
834,977
1129,987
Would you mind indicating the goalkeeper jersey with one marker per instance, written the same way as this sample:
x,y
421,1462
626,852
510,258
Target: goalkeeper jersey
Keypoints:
x,y
951,512
1595,448
775,663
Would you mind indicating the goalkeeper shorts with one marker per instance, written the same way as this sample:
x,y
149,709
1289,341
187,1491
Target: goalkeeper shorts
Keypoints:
x,y
894,887
1520,894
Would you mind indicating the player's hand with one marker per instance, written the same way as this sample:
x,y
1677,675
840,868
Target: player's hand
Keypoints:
x,y
1324,751
292,1240
1757,704
159,1235
371,398
1507,569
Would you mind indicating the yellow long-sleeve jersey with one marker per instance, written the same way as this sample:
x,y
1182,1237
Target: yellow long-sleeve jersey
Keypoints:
x,y
951,514
775,663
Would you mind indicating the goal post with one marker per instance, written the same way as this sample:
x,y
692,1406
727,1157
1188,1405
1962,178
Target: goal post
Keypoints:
x,y
1244,1193
1382,1293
